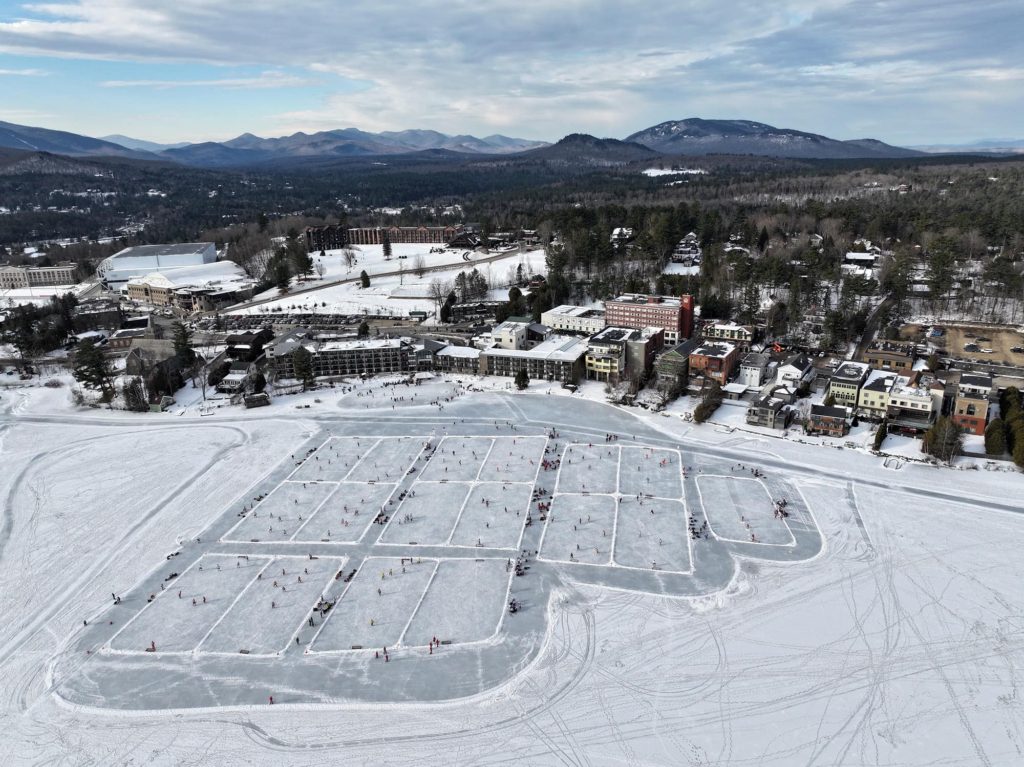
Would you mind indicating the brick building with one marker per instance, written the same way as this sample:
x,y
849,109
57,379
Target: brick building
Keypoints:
x,y
671,314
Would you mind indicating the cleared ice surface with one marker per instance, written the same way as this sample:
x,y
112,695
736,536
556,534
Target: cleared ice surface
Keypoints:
x,y
589,469
648,471
282,512
376,606
514,459
457,459
274,606
464,603
579,529
182,614
347,513
334,459
388,460
428,516
493,516
738,507
652,531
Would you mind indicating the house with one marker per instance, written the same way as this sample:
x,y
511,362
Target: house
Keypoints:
x,y
673,367
769,412
714,362
913,404
249,345
753,369
845,382
828,420
738,335
970,408
873,398
794,371
519,335
238,375
890,355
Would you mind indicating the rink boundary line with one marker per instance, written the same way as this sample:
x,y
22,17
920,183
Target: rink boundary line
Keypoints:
x,y
405,473
292,538
465,501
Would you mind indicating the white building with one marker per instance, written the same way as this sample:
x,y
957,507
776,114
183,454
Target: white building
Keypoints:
x,y
574,319
752,370
138,261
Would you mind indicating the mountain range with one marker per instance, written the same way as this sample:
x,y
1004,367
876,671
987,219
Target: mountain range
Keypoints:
x,y
696,136
693,136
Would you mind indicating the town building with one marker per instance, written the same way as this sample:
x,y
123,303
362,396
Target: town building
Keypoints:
x,y
753,370
794,371
970,408
559,358
330,237
203,287
634,310
513,334
738,335
873,397
914,404
769,412
845,382
890,355
618,353
713,361
828,420
574,319
115,271
376,235
673,367
458,359
20,277
365,357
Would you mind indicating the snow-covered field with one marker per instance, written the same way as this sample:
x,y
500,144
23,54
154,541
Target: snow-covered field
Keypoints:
x,y
396,287
884,626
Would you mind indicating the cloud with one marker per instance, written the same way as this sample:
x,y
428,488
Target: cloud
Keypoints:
x,y
543,69
23,73
261,81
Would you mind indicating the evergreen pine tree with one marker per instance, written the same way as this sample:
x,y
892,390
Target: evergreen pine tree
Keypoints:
x,y
92,369
995,437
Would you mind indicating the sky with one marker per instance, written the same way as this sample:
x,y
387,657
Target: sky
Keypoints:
x,y
908,72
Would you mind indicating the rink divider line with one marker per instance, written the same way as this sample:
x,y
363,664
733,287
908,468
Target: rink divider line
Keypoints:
x,y
529,507
226,537
419,602
473,484
367,452
404,471
293,539
405,474
308,455
234,601
110,642
792,542
277,654
617,496
323,592
380,542
337,603
314,512
334,609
